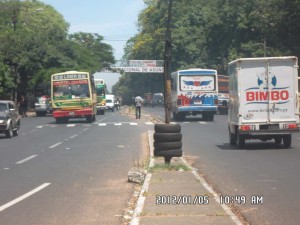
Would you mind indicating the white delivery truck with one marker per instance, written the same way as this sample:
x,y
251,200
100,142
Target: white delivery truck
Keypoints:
x,y
110,102
263,99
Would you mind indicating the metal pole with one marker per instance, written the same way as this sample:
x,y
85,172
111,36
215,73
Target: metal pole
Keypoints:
x,y
167,65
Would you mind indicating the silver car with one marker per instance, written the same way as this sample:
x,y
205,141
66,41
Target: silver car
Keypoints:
x,y
9,118
42,106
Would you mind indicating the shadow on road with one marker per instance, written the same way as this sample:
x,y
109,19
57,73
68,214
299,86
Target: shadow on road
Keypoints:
x,y
253,146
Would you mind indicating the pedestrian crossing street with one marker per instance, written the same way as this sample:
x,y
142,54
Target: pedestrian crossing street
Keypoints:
x,y
107,124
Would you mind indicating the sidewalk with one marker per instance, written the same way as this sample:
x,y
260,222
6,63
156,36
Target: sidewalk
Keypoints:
x,y
178,197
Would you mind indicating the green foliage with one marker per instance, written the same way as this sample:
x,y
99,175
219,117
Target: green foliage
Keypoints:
x,y
34,43
210,34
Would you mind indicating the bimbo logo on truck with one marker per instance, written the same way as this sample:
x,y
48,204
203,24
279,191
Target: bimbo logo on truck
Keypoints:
x,y
267,91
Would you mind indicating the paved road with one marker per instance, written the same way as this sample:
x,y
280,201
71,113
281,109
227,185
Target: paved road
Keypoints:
x,y
262,169
73,173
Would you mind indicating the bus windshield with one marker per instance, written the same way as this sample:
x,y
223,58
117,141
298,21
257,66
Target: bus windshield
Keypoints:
x,y
100,90
70,89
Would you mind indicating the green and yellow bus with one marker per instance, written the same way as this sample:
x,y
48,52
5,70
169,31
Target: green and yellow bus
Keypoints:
x,y
100,90
73,95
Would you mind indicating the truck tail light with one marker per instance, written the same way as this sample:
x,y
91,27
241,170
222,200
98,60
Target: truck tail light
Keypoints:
x,y
179,101
291,126
246,127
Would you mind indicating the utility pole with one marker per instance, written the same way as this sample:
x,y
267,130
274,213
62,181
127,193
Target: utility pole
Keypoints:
x,y
167,65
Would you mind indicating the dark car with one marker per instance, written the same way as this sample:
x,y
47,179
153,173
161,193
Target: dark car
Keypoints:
x,y
158,99
9,118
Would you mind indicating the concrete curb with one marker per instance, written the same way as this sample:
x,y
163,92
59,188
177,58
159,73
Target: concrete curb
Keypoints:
x,y
141,200
209,189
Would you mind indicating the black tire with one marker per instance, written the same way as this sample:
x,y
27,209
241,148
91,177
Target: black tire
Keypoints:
x,y
61,120
167,128
167,145
211,117
205,116
232,138
287,140
9,132
89,119
168,153
278,140
16,132
167,137
240,140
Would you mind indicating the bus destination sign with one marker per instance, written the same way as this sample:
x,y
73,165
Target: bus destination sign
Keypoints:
x,y
70,76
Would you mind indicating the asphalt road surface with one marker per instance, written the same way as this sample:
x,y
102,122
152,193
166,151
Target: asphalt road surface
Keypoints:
x,y
265,175
76,173
73,173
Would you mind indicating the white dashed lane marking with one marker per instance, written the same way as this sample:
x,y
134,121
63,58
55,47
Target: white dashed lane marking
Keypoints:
x,y
55,145
28,194
26,159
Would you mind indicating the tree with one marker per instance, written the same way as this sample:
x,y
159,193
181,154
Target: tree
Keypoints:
x,y
210,34
35,44
35,34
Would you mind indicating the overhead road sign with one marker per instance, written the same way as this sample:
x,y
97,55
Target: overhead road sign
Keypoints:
x,y
137,66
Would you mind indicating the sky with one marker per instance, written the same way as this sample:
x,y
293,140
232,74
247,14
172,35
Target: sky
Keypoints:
x,y
115,20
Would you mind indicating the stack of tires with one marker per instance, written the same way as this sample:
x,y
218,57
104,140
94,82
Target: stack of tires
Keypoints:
x,y
167,141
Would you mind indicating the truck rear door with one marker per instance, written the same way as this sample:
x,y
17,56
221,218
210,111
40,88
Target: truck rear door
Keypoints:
x,y
282,93
267,91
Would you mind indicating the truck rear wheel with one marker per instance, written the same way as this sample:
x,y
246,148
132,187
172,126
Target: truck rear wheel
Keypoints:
x,y
278,140
240,140
287,140
232,138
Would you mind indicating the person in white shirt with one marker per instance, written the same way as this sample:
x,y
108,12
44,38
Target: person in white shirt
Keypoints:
x,y
138,105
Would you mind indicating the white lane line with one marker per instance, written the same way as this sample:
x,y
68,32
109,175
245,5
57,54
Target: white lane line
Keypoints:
x,y
26,159
11,203
101,124
102,119
39,126
149,123
71,125
118,124
73,136
55,145
202,122
85,129
133,124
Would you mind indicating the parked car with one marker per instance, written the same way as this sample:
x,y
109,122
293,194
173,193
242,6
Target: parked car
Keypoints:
x,y
42,105
9,118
